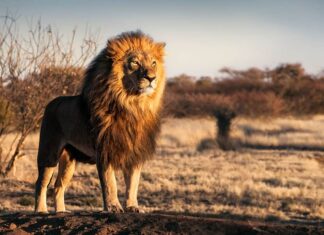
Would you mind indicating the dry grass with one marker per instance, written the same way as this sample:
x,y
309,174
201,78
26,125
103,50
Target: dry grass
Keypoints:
x,y
268,184
290,132
281,131
185,132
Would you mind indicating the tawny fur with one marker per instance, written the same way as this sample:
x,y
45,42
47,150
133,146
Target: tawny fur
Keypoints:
x,y
125,125
113,122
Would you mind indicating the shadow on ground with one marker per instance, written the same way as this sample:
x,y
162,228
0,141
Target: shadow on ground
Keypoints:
x,y
295,147
153,223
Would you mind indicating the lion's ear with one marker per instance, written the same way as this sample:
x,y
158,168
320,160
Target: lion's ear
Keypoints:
x,y
160,49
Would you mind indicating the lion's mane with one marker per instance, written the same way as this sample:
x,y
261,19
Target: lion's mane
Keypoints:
x,y
124,125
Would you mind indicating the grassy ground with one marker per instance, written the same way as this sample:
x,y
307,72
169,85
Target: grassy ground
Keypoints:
x,y
248,183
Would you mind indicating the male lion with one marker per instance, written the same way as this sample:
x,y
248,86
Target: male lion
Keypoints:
x,y
113,122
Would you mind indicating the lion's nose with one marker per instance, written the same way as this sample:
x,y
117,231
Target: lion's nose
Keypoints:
x,y
149,75
150,78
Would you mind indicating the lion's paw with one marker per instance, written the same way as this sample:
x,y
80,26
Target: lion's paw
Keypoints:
x,y
114,209
134,209
41,212
63,212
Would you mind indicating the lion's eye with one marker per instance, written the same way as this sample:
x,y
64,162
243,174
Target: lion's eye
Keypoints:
x,y
153,63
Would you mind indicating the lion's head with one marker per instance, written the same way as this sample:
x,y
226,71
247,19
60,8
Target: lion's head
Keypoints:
x,y
137,63
123,88
131,69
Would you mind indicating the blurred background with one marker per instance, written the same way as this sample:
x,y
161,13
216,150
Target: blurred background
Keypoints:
x,y
243,118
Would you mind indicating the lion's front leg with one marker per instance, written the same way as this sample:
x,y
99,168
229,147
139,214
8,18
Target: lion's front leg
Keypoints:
x,y
132,178
109,187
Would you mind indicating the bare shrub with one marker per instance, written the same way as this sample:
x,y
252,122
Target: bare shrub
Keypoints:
x,y
35,68
5,114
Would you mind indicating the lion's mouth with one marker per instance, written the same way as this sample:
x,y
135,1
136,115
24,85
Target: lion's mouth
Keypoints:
x,y
147,90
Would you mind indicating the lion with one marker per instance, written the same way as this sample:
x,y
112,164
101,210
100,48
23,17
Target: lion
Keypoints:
x,y
112,123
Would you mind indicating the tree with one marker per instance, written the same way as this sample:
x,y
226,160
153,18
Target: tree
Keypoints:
x,y
287,73
251,73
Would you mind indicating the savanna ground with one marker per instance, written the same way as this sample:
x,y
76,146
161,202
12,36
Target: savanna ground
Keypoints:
x,y
275,175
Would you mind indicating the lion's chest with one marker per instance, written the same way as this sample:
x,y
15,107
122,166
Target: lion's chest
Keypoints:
x,y
130,140
129,131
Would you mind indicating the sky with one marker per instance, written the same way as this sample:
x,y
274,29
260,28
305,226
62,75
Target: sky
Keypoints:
x,y
201,36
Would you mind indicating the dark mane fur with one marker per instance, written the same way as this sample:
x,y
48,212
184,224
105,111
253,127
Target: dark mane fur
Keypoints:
x,y
124,127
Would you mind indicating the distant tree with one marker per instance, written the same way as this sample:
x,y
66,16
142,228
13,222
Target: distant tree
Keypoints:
x,y
254,73
287,72
182,83
204,81
231,73
183,79
251,73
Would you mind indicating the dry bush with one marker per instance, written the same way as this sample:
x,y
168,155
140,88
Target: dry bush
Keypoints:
x,y
5,114
181,83
234,85
34,68
245,102
304,97
258,104
183,105
286,89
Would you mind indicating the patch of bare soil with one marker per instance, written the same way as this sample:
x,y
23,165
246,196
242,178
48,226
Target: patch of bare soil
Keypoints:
x,y
129,223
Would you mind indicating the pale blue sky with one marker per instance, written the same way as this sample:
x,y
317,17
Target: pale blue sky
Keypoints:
x,y
201,36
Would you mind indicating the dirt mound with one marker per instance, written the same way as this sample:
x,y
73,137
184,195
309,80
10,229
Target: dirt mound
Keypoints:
x,y
129,223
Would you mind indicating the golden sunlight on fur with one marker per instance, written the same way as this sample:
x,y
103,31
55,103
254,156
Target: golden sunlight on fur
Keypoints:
x,y
113,122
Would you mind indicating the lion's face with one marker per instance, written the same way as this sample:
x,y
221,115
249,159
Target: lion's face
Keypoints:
x,y
137,69
140,70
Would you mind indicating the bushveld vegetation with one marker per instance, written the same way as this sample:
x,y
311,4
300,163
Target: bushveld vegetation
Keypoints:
x,y
284,90
34,69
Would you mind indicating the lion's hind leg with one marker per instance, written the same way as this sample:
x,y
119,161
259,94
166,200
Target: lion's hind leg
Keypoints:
x,y
44,178
47,163
50,148
64,176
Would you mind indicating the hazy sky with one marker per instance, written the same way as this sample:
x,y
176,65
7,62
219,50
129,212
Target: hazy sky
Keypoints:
x,y
201,36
